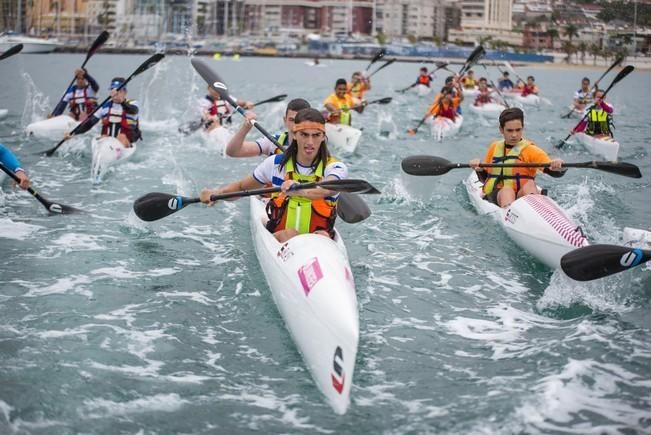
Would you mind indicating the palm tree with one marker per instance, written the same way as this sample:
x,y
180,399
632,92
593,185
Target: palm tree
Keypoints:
x,y
569,49
594,52
582,48
571,31
553,34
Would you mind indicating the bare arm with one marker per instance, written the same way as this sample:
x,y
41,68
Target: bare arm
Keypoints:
x,y
237,147
247,183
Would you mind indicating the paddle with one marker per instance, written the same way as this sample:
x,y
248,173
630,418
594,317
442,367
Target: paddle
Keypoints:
x,y
154,206
439,65
618,61
385,100
386,64
353,207
597,261
619,77
476,54
52,207
512,71
99,41
379,55
432,165
153,60
275,99
13,50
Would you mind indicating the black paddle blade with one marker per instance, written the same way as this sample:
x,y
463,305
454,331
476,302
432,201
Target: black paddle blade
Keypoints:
x,y
598,261
101,39
13,50
385,100
210,77
379,55
426,165
58,208
351,186
154,206
351,208
619,168
276,99
148,63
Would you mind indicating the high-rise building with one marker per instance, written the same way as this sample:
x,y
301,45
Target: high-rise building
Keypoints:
x,y
422,19
486,14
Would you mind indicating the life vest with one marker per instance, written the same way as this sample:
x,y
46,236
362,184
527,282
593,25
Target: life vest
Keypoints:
x,y
343,116
81,102
424,80
509,177
303,214
449,112
357,90
218,107
584,97
115,121
282,139
469,83
598,122
483,98
527,90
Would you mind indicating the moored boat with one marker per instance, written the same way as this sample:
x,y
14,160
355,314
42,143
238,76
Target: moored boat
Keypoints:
x,y
107,152
343,136
605,146
56,127
442,127
312,285
536,223
30,44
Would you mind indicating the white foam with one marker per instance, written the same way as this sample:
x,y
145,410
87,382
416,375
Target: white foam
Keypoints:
x,y
101,408
16,230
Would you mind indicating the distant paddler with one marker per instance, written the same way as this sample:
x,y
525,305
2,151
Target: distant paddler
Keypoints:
x,y
530,88
306,159
238,147
81,96
215,111
340,103
484,96
583,96
503,185
359,84
11,162
468,81
505,83
600,118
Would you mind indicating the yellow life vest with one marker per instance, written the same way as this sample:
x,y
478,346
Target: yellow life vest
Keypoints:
x,y
598,122
510,177
344,115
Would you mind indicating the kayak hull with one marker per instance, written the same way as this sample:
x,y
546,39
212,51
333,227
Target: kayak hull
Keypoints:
x,y
217,138
604,146
343,136
108,152
470,92
491,110
312,286
423,90
52,127
529,100
536,223
441,127
3,113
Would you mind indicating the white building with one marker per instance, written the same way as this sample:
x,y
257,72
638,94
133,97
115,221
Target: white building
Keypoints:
x,y
486,18
418,18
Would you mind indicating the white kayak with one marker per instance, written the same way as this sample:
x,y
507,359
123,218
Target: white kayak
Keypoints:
x,y
217,138
573,112
107,152
442,127
470,92
3,113
53,127
318,65
422,90
604,146
312,285
529,100
343,136
536,223
492,110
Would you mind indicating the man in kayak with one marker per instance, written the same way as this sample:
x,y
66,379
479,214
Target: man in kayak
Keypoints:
x,y
484,95
505,82
119,116
340,103
306,159
237,147
424,78
214,110
599,121
504,185
11,162
358,85
530,88
469,81
82,97
583,96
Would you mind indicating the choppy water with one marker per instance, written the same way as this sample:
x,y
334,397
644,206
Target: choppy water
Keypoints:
x,y
111,326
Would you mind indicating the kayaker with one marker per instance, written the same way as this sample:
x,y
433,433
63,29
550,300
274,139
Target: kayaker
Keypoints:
x,y
599,121
530,88
583,96
307,159
358,85
214,110
504,185
447,108
469,81
454,101
119,116
424,78
484,95
237,147
81,96
340,103
505,82
519,85
11,162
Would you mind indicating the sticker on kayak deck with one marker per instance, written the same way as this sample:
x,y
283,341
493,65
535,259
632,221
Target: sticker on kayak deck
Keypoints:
x,y
310,274
511,216
284,253
338,376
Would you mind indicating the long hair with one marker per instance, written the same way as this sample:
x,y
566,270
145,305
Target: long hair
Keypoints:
x,y
308,114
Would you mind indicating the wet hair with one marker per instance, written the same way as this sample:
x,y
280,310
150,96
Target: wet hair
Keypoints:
x,y
483,79
505,73
531,77
341,82
594,94
313,115
297,104
511,114
471,72
446,90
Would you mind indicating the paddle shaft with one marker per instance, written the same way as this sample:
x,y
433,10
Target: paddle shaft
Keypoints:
x,y
386,64
375,58
385,100
277,98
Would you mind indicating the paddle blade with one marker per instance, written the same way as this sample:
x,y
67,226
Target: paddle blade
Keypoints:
x,y
619,168
598,261
385,100
426,165
276,99
148,63
101,39
210,76
154,206
13,50
58,208
351,208
349,185
379,55
52,150
620,76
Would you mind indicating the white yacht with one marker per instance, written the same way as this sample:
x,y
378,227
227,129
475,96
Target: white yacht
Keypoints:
x,y
30,44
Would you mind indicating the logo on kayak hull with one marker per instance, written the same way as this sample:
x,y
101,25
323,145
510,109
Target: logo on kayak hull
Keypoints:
x,y
338,376
631,258
310,274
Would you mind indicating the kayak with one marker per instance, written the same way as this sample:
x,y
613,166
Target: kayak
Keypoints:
x,y
441,127
530,100
312,285
575,113
3,113
55,126
422,90
107,151
318,65
343,136
488,109
536,223
217,138
470,92
604,146
636,238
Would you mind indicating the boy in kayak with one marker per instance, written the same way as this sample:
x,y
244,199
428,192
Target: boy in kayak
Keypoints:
x,y
505,82
214,110
11,162
306,159
237,147
583,96
340,103
358,85
484,95
424,78
447,108
82,97
530,88
119,116
504,185
469,81
599,121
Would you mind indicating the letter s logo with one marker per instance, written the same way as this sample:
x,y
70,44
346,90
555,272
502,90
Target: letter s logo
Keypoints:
x,y
172,203
631,258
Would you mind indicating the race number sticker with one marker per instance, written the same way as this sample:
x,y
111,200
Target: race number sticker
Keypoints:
x,y
310,274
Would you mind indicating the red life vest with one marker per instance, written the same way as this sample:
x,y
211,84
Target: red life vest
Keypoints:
x,y
125,123
216,106
88,103
424,80
527,90
447,112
